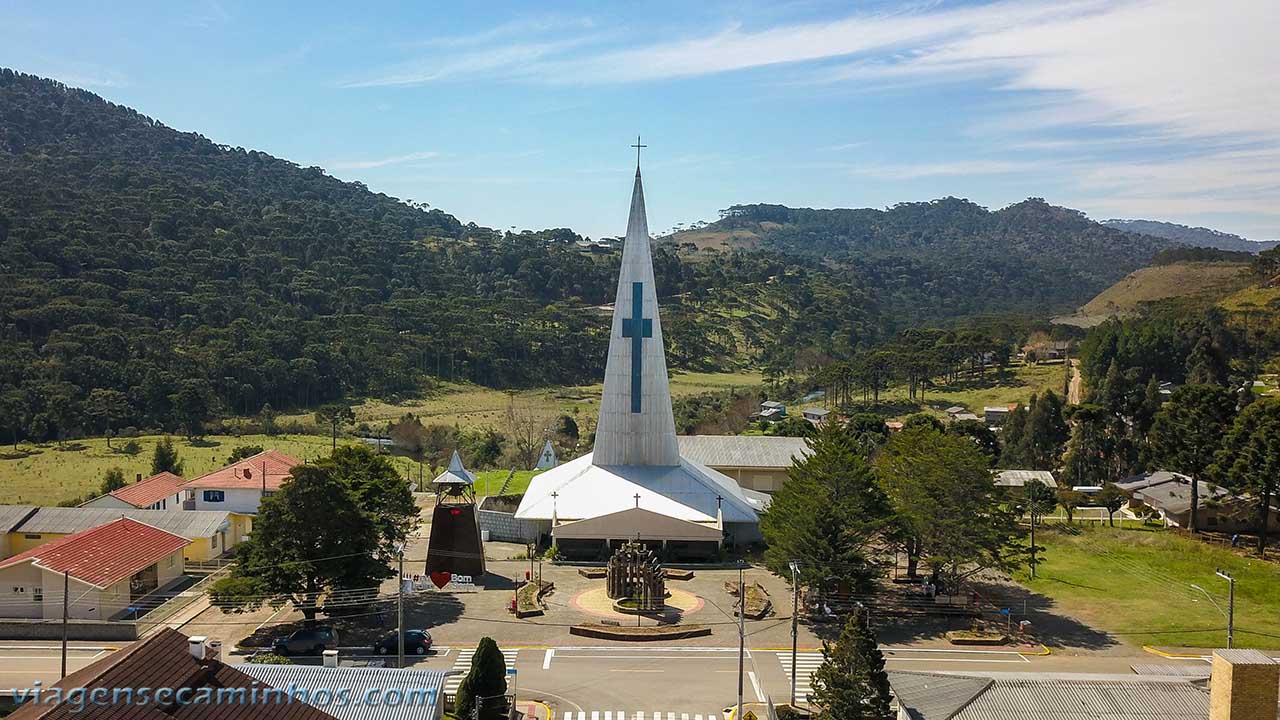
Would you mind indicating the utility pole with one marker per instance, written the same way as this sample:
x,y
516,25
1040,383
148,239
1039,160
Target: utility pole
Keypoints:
x,y
795,619
1231,605
742,633
66,582
400,611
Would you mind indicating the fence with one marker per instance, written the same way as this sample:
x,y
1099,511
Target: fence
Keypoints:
x,y
152,621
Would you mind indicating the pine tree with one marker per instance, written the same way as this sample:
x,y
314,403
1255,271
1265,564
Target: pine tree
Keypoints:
x,y
1187,432
851,683
1205,365
165,458
484,684
827,514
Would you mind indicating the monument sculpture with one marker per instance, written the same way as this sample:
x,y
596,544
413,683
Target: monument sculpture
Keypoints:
x,y
635,574
455,553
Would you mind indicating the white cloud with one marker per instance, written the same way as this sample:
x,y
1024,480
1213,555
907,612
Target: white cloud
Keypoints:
x,y
412,157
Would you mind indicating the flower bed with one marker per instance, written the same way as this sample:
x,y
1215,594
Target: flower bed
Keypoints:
x,y
639,634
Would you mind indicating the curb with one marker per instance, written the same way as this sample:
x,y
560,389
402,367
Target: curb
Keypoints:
x,y
1044,650
1175,656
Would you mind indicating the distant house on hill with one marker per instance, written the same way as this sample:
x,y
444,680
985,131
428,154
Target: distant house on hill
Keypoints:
x,y
996,415
817,416
1016,481
158,492
772,410
1169,494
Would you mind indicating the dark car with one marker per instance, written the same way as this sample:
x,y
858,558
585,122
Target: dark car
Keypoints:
x,y
416,642
308,641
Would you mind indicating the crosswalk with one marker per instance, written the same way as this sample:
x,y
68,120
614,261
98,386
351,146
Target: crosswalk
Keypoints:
x,y
462,664
806,664
639,715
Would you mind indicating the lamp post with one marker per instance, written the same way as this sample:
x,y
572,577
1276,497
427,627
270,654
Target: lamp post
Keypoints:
x,y
1231,605
1228,616
742,633
795,617
400,610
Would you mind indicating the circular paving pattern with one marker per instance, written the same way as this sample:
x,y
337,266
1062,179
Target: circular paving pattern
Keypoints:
x,y
679,604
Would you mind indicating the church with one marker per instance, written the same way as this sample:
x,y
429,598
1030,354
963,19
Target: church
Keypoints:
x,y
636,484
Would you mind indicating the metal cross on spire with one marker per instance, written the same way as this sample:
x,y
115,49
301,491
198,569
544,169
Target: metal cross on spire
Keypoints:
x,y
637,146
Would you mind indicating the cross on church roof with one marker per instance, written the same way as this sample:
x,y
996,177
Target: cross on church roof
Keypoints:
x,y
637,146
637,496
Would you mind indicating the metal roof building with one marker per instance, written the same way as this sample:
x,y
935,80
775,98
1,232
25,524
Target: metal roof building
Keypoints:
x,y
936,696
190,524
401,694
757,451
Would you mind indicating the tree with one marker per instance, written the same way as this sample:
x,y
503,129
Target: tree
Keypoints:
x,y
1039,446
1249,459
112,481
267,420
527,429
14,410
1205,365
335,415
485,684
1037,500
1112,498
827,514
240,452
946,504
192,405
310,537
1086,462
923,420
982,436
106,408
1070,500
379,491
165,458
790,426
851,683
868,431
1187,432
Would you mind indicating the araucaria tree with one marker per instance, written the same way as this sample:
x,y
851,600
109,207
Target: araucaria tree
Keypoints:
x,y
827,514
310,537
946,504
335,415
1187,432
165,458
485,684
1249,460
851,683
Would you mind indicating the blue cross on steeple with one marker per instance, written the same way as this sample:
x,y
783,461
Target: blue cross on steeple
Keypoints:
x,y
637,328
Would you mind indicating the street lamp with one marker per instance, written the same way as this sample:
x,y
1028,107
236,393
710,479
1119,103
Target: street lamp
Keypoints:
x,y
400,608
742,634
795,617
1231,605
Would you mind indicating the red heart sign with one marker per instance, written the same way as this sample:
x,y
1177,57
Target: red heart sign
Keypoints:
x,y
441,578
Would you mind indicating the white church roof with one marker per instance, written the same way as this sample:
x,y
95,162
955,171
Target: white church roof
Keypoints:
x,y
686,491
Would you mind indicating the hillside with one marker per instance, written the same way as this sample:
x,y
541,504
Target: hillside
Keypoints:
x,y
1211,281
1193,236
152,278
1029,257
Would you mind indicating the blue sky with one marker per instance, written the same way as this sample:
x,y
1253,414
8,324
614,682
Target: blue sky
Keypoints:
x,y
521,114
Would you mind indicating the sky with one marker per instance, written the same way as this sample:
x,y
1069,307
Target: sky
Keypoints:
x,y
522,114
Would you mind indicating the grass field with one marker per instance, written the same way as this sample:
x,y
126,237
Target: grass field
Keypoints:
x,y
47,475
1016,385
1136,585
473,406
1211,280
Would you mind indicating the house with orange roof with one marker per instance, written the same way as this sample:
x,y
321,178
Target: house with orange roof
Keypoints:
x,y
162,491
239,488
107,570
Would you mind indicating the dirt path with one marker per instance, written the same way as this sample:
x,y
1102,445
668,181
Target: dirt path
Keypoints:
x,y
1075,393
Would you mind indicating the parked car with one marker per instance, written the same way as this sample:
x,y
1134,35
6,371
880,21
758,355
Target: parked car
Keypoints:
x,y
416,642
308,641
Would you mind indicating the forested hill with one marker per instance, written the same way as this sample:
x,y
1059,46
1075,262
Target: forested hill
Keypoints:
x,y
1192,236
1028,254
155,263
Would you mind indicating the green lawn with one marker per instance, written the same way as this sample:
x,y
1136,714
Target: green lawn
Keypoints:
x,y
1136,585
48,475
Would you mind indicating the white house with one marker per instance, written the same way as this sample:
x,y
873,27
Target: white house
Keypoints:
x,y
239,488
162,491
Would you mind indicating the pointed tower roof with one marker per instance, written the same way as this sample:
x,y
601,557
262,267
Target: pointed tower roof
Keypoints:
x,y
547,459
636,426
456,474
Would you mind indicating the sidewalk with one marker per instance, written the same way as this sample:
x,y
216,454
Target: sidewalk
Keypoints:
x,y
533,710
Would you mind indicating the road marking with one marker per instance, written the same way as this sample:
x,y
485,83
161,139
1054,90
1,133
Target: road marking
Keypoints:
x,y
546,660
463,665
630,670
755,683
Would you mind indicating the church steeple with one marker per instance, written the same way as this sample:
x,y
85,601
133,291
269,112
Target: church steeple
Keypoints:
x,y
636,426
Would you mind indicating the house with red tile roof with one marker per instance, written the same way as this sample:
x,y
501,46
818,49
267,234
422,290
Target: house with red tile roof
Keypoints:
x,y
196,685
158,492
108,569
239,488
